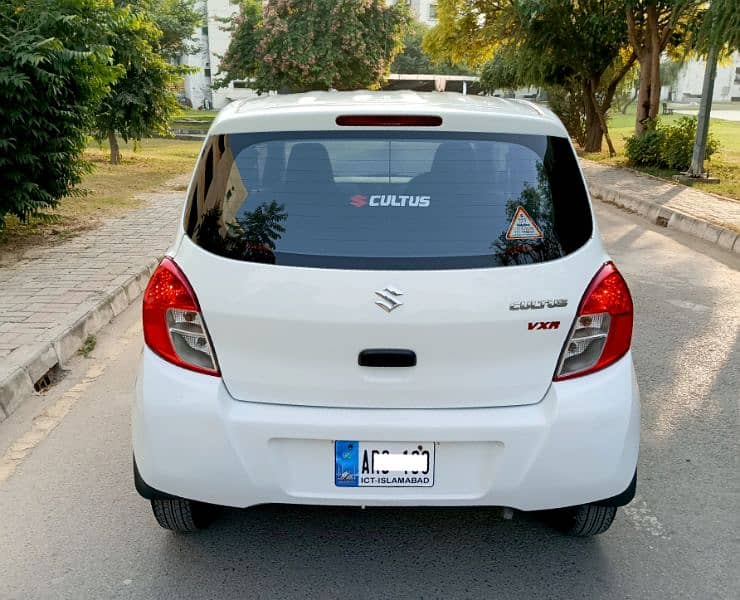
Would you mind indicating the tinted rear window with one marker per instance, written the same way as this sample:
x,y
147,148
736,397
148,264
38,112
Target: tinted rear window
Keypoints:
x,y
389,200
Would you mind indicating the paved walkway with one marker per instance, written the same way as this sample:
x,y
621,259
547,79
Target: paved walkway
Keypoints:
x,y
50,284
55,296
727,115
671,196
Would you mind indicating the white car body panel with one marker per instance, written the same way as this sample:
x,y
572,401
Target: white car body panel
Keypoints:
x,y
577,445
292,335
287,340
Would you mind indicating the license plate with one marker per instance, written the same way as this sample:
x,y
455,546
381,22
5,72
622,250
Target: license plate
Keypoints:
x,y
383,464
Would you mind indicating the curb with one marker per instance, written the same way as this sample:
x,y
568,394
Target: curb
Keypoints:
x,y
31,366
668,217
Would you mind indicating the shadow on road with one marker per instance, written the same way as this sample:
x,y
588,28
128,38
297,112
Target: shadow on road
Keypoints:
x,y
382,553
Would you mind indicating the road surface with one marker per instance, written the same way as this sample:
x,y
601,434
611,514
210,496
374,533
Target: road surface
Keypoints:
x,y
71,525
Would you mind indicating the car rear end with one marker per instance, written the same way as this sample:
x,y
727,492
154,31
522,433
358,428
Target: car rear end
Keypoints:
x,y
387,300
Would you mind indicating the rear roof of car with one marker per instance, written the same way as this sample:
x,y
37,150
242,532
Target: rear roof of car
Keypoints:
x,y
317,111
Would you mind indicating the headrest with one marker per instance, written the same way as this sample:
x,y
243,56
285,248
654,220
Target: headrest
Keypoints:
x,y
453,156
309,164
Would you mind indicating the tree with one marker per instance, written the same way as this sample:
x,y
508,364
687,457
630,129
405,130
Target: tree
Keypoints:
x,y
627,90
177,19
53,73
142,101
413,58
719,33
318,44
579,47
465,32
240,60
653,26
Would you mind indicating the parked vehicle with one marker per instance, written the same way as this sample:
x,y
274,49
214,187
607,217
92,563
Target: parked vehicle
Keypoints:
x,y
387,299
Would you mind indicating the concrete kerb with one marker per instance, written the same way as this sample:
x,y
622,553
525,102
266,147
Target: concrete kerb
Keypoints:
x,y
26,366
668,217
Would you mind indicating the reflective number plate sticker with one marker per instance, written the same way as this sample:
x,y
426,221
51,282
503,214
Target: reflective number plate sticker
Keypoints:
x,y
383,464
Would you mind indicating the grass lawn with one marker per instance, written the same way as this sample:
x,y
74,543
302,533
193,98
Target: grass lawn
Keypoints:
x,y
157,164
199,115
725,164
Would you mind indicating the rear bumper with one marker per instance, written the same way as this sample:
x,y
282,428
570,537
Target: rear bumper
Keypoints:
x,y
578,445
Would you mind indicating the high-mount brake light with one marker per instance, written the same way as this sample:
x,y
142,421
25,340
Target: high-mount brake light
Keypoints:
x,y
602,331
173,324
389,120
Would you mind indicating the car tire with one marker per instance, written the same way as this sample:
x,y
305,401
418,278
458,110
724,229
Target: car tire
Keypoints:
x,y
181,515
584,520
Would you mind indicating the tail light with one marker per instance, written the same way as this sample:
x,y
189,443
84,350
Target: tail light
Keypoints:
x,y
389,120
602,331
173,324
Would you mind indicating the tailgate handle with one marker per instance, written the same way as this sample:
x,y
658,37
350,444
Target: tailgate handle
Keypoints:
x,y
387,357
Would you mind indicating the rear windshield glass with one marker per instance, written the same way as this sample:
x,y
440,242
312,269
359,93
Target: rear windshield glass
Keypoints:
x,y
388,200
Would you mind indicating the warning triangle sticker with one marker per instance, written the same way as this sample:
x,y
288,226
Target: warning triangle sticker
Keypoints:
x,y
523,227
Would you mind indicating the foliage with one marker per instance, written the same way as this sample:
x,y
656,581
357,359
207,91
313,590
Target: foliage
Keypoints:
x,y
668,146
655,27
176,19
552,43
141,102
644,150
413,59
503,71
720,28
318,44
53,73
677,144
466,31
567,103
240,60
252,237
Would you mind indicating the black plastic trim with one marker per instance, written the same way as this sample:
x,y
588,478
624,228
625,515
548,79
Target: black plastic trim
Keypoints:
x,y
621,499
387,357
147,491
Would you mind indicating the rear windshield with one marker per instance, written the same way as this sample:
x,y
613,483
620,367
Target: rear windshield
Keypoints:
x,y
388,200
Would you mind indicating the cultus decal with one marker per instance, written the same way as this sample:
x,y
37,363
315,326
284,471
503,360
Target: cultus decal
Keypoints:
x,y
543,325
400,200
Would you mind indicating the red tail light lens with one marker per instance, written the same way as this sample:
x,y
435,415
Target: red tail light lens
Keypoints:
x,y
389,120
173,324
602,332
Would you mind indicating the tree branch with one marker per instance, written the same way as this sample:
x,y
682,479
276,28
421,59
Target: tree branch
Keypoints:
x,y
632,30
612,87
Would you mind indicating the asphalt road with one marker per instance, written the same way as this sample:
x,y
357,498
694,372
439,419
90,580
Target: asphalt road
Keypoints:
x,y
71,525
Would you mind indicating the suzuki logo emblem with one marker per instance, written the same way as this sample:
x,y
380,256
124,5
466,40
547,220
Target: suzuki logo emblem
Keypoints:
x,y
389,298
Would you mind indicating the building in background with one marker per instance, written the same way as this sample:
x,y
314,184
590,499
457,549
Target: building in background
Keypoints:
x,y
424,11
213,41
726,83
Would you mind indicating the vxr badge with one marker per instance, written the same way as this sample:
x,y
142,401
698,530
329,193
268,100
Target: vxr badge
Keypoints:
x,y
543,325
389,298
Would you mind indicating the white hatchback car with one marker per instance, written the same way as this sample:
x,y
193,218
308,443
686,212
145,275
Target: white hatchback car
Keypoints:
x,y
387,299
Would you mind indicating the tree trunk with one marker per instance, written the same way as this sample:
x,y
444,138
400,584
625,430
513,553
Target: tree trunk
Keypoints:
x,y
643,97
604,128
702,129
655,49
115,151
630,101
594,133
648,41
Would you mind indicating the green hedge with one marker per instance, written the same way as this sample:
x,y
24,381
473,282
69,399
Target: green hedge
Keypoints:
x,y
667,145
